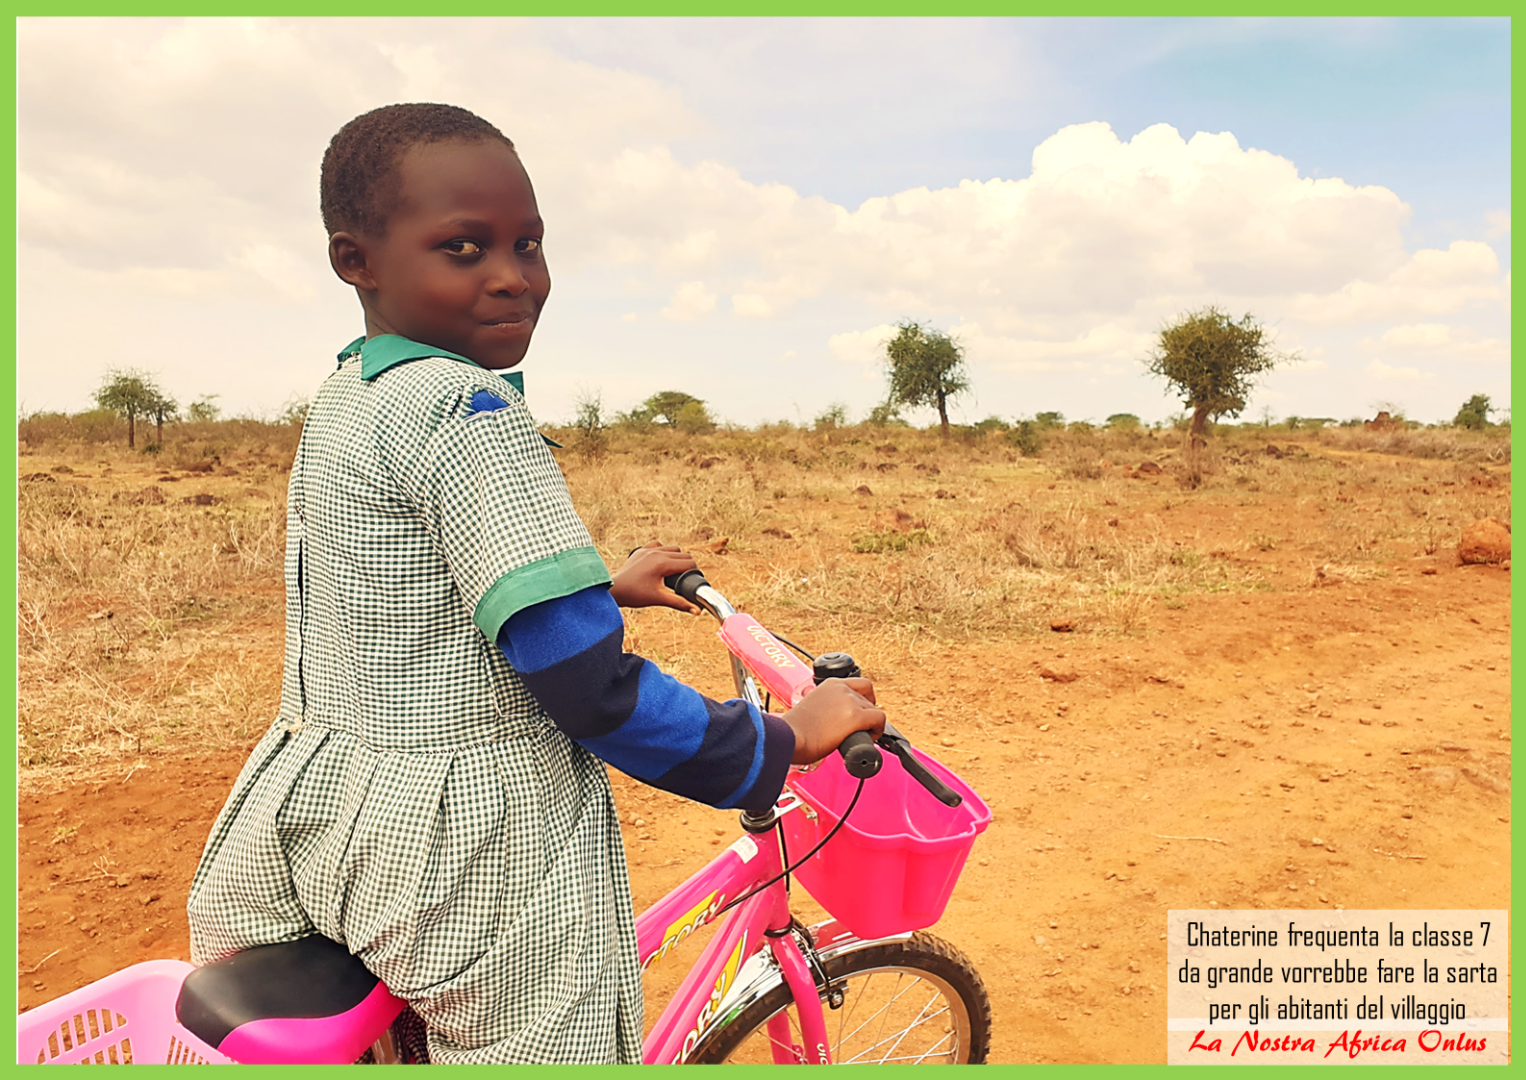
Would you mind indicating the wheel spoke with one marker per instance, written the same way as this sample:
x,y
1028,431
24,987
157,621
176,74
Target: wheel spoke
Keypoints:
x,y
948,1037
877,1016
883,1011
843,1019
921,1015
915,1060
921,1018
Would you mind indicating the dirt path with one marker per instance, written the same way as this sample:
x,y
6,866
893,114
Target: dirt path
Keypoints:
x,y
1319,747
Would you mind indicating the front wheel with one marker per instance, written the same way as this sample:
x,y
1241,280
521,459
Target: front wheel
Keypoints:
x,y
918,1001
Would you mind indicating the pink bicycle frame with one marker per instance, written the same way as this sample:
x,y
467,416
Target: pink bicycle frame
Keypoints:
x,y
742,867
745,865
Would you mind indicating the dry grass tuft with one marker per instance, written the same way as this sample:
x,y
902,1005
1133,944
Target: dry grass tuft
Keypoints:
x,y
130,608
1456,444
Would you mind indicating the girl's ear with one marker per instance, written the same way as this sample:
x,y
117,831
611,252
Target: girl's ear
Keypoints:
x,y
347,255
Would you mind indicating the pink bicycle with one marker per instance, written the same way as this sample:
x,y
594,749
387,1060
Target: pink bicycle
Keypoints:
x,y
868,985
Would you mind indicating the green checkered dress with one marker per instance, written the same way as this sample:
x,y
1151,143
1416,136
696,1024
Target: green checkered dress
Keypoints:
x,y
413,801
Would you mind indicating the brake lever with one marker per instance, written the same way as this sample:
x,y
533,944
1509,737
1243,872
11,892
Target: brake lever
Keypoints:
x,y
893,741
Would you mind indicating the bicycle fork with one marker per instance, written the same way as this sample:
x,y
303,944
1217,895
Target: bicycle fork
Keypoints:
x,y
804,988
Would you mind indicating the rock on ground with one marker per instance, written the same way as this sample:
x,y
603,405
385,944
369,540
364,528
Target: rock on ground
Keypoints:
x,y
1484,541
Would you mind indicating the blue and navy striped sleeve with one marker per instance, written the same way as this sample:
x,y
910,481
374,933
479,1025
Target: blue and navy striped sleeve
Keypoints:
x,y
569,653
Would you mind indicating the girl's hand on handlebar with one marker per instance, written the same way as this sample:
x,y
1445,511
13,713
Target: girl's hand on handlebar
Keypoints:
x,y
829,714
639,582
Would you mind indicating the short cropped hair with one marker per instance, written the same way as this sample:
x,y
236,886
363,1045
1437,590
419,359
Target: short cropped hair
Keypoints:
x,y
359,185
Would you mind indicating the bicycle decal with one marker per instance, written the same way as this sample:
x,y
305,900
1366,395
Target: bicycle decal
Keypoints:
x,y
775,652
717,995
767,658
746,848
688,922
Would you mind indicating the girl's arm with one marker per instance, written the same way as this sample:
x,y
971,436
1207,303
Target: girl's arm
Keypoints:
x,y
646,723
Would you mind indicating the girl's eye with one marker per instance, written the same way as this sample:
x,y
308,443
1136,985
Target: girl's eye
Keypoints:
x,y
463,247
528,246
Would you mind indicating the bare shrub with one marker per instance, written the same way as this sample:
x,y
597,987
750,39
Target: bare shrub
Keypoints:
x,y
591,424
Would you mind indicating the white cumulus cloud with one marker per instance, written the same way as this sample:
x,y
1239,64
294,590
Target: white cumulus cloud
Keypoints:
x,y
1430,282
1387,373
862,347
690,301
1101,225
751,306
1083,352
1441,341
1418,335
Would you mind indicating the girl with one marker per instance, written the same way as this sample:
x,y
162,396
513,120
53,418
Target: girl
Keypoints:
x,y
431,795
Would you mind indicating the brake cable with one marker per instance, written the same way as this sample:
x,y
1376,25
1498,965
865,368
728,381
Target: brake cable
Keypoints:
x,y
789,869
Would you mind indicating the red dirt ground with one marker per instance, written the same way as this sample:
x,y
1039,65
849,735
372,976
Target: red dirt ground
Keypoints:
x,y
1194,768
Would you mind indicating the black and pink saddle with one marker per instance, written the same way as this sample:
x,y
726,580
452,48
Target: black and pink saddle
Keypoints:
x,y
298,1002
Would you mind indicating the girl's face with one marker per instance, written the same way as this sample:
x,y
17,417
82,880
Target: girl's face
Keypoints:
x,y
461,266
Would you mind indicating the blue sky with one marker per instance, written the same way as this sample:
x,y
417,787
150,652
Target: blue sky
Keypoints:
x,y
1420,105
743,209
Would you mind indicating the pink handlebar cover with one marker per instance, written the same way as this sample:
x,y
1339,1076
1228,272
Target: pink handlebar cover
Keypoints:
x,y
775,666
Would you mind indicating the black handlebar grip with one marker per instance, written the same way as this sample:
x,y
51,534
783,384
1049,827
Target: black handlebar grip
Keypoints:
x,y
686,584
860,756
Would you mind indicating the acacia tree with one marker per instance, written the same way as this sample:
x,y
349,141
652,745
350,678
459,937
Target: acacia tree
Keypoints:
x,y
1211,361
1474,412
680,411
926,368
163,408
204,409
130,394
670,404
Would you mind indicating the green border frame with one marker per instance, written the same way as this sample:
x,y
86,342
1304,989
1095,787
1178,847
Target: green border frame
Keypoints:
x,y
8,512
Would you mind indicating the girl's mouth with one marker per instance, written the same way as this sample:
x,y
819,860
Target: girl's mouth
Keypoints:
x,y
512,324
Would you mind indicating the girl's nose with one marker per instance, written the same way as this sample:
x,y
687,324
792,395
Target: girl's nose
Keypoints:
x,y
507,276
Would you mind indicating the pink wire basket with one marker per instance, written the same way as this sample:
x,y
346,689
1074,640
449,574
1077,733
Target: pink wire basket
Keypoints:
x,y
127,1018
893,866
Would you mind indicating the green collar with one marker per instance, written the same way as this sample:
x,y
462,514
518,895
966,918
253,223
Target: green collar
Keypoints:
x,y
388,350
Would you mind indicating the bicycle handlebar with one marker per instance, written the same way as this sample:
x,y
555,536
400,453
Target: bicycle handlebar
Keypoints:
x,y
686,584
861,756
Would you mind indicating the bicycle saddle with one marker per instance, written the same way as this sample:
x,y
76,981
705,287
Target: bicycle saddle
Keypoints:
x,y
304,1001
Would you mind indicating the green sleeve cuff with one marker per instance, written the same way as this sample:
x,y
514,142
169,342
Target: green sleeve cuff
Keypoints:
x,y
555,576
